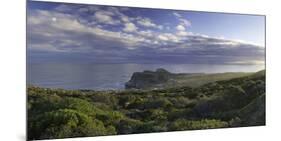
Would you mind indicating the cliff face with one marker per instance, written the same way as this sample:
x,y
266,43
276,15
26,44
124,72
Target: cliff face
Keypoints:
x,y
145,79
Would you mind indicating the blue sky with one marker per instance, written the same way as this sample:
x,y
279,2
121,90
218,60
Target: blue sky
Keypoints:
x,y
105,34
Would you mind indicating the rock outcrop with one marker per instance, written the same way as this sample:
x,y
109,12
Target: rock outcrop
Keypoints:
x,y
147,79
161,78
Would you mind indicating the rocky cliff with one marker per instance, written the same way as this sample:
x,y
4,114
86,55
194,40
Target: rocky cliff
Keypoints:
x,y
161,78
146,79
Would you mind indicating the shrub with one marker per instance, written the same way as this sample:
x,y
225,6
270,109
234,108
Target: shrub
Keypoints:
x,y
128,126
182,124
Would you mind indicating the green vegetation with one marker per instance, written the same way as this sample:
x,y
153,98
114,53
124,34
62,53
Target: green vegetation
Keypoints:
x,y
58,113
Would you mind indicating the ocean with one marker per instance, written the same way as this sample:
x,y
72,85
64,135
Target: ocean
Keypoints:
x,y
112,76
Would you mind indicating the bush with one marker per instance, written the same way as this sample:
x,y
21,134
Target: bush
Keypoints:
x,y
157,114
105,98
65,123
110,117
80,105
128,126
182,124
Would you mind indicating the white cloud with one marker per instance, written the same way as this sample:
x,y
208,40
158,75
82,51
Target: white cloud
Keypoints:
x,y
247,62
146,33
33,20
180,28
182,21
168,37
130,27
54,19
182,33
43,47
185,22
146,22
247,42
105,17
163,37
177,14
125,19
43,28
203,35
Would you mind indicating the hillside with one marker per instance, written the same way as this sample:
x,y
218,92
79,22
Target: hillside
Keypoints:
x,y
58,113
161,78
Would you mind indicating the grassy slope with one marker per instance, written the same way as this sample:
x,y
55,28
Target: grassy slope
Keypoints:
x,y
196,79
199,80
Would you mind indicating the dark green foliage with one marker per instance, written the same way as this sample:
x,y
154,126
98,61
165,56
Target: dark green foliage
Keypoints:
x,y
66,123
150,103
254,113
128,126
107,99
110,117
58,113
182,124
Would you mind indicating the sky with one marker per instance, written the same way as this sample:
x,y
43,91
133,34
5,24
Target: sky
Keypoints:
x,y
76,33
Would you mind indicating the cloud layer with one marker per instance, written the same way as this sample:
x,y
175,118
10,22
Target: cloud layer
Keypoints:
x,y
101,34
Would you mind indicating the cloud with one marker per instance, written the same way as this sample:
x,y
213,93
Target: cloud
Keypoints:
x,y
125,19
146,22
65,8
182,21
169,37
105,17
185,22
162,37
182,33
177,14
130,27
126,39
43,30
180,28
